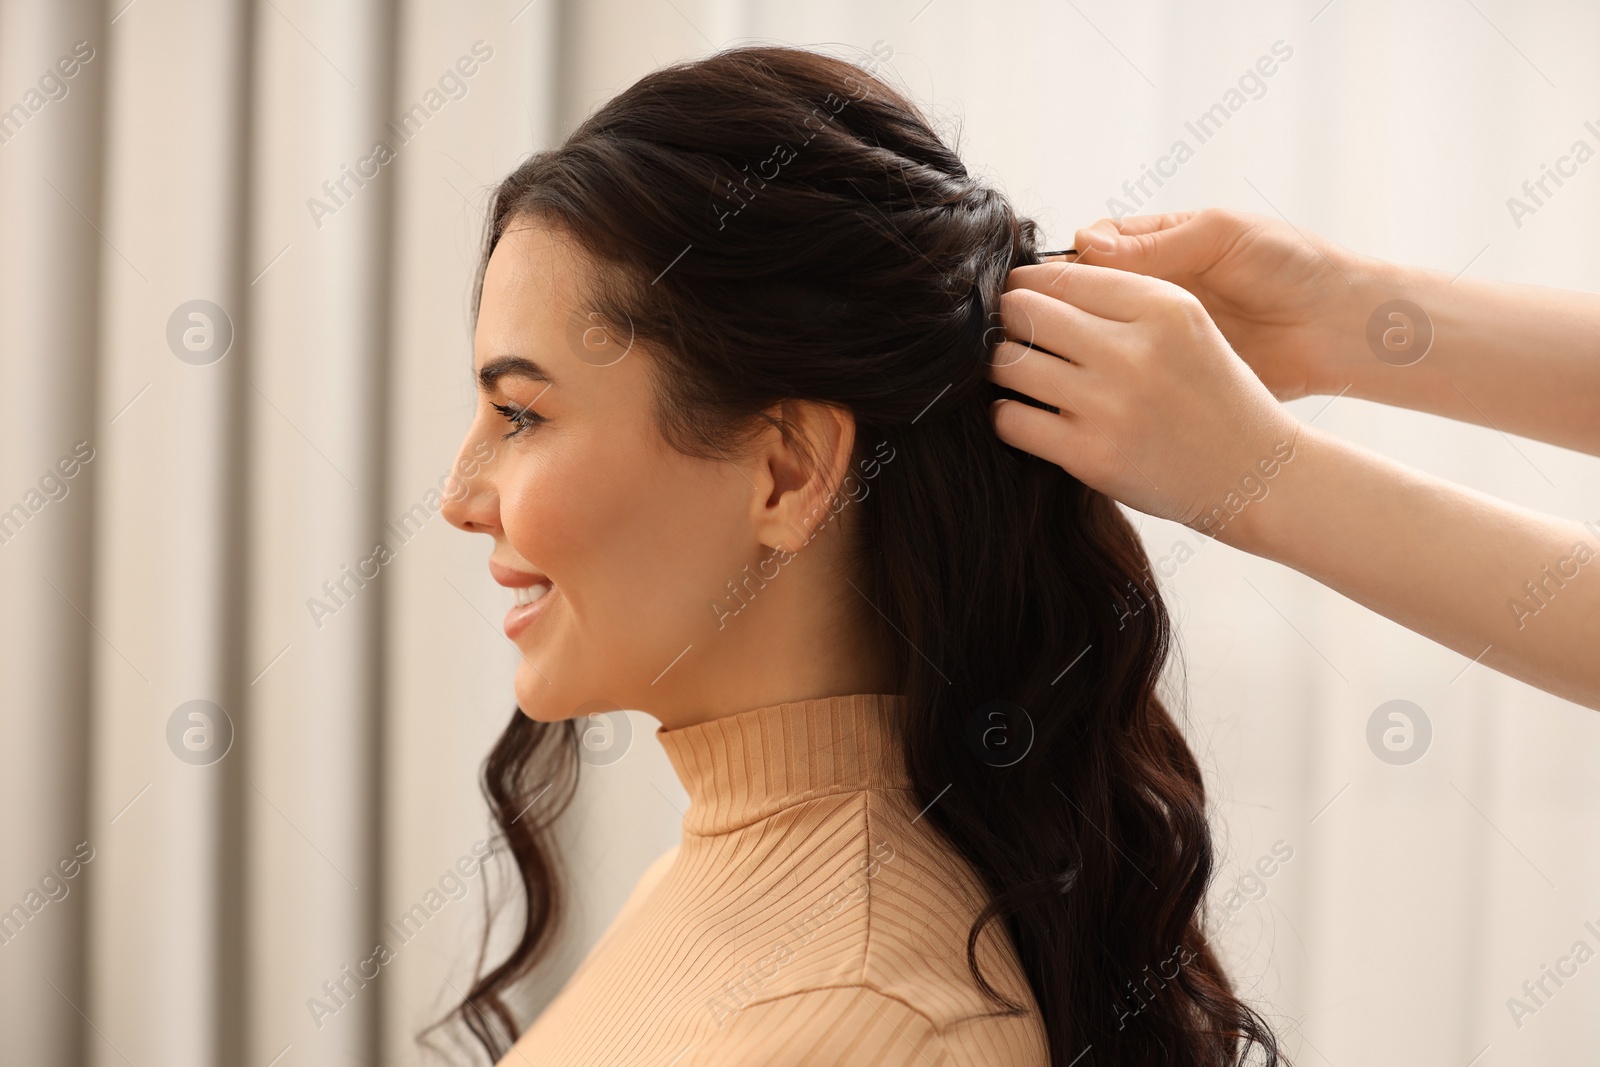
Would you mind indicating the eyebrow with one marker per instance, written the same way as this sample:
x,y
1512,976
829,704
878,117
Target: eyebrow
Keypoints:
x,y
510,366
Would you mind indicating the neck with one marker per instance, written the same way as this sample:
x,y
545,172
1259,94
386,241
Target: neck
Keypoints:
x,y
739,769
802,630
781,648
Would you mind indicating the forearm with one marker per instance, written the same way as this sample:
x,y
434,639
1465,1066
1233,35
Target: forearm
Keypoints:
x,y
1520,358
1515,589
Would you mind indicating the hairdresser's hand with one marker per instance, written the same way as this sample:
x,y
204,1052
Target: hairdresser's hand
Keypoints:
x,y
1296,307
1156,410
1291,303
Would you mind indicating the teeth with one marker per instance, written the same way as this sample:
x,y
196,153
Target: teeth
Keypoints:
x,y
531,594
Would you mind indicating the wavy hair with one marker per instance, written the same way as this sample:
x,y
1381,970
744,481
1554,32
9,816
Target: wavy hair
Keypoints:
x,y
773,223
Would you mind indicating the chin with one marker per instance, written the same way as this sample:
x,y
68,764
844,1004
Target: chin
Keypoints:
x,y
537,714
538,699
543,701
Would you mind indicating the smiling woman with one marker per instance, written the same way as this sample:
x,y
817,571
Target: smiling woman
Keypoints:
x,y
938,812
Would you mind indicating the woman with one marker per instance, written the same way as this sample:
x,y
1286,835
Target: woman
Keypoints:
x,y
732,348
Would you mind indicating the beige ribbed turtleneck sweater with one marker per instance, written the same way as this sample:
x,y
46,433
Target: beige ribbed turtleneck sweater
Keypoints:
x,y
809,916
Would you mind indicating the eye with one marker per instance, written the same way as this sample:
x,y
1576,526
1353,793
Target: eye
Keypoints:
x,y
522,418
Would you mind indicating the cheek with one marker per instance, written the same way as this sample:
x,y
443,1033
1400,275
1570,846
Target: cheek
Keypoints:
x,y
545,508
638,542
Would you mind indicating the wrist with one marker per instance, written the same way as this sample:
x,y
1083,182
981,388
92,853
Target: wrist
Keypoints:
x,y
1343,359
1245,512
1386,328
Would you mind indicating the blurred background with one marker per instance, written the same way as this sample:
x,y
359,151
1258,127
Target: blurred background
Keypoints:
x,y
236,743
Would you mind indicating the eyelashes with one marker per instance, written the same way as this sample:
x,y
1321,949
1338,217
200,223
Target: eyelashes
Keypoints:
x,y
522,418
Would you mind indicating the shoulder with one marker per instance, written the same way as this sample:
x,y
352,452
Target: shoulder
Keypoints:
x,y
653,873
647,882
924,901
859,1026
652,876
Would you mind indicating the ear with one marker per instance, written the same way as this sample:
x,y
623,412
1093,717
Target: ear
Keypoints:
x,y
799,473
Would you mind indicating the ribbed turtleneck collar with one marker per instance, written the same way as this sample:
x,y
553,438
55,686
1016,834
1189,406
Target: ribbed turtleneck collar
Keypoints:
x,y
742,768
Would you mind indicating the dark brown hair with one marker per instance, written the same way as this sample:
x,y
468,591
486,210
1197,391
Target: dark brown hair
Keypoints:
x,y
773,223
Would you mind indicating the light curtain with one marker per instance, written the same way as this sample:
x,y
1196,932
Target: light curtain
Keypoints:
x,y
238,742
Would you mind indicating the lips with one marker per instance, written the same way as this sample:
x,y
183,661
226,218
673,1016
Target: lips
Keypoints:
x,y
507,575
530,599
530,590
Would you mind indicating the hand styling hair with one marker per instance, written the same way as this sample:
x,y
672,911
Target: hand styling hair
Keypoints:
x,y
771,223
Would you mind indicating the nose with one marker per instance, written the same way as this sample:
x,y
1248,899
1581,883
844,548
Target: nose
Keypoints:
x,y
471,502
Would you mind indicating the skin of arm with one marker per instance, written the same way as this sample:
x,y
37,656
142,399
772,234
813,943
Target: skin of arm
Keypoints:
x,y
1519,358
1157,411
1510,588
